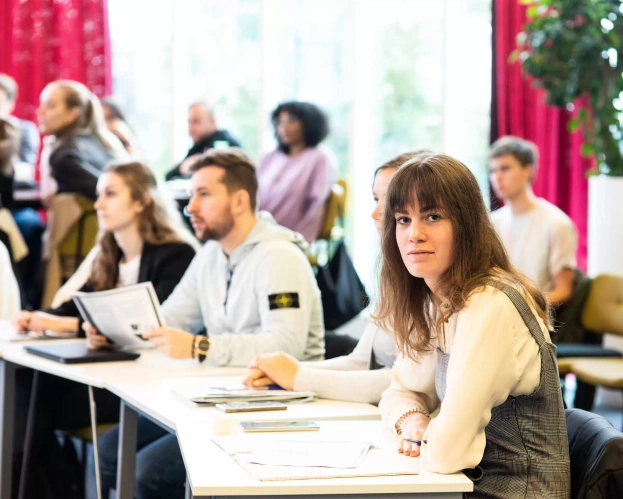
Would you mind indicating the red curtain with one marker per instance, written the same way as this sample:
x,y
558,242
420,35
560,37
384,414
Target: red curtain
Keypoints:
x,y
522,111
46,40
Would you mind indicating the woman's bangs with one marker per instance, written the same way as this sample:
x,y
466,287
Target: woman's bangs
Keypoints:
x,y
415,184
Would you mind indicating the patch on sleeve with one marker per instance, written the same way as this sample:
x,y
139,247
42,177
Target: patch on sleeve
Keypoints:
x,y
283,300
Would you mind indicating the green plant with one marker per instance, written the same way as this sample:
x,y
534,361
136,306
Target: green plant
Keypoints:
x,y
573,48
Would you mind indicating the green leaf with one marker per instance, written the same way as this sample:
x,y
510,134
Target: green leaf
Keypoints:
x,y
588,150
526,2
573,125
583,116
513,57
533,12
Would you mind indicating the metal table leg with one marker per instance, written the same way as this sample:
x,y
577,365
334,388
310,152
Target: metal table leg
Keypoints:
x,y
7,413
126,458
28,440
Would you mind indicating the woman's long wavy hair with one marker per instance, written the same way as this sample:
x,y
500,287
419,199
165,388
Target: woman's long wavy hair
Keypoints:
x,y
159,223
407,306
91,118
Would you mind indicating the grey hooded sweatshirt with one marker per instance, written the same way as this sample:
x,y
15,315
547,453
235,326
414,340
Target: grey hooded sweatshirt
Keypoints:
x,y
263,298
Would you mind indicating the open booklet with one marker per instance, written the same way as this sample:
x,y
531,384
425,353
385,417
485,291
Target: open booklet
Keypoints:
x,y
201,394
124,314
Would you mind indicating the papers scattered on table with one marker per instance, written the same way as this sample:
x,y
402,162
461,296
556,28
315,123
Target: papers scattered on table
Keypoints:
x,y
308,454
199,393
123,315
270,459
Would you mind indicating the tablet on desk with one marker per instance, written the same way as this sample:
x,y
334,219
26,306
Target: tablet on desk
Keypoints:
x,y
78,353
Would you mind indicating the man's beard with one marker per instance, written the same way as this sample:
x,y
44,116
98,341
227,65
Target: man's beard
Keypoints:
x,y
218,232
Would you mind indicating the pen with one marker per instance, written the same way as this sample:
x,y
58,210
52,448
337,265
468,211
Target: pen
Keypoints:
x,y
416,442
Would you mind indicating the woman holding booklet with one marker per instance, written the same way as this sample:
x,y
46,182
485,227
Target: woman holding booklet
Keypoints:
x,y
474,341
361,376
140,241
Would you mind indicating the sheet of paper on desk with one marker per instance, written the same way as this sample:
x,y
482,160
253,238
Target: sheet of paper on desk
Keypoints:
x,y
308,454
122,314
315,459
9,333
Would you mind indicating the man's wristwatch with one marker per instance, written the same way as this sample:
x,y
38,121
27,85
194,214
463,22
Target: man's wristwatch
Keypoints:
x,y
202,345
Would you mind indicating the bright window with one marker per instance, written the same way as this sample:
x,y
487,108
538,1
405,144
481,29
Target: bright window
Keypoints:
x,y
393,76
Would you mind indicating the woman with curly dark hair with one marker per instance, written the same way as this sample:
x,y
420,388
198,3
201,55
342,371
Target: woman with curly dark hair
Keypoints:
x,y
295,180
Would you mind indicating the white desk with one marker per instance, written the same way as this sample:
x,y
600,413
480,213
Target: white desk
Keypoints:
x,y
154,399
144,386
151,365
232,481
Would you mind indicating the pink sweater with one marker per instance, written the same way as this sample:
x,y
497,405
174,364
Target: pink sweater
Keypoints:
x,y
295,189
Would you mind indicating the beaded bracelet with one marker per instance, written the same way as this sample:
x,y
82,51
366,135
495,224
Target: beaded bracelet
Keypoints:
x,y
407,414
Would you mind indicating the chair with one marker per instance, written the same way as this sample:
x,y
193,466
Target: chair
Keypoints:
x,y
72,233
335,211
596,455
602,314
333,225
80,240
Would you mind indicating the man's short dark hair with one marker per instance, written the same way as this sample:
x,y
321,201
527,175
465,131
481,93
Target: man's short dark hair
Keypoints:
x,y
314,120
524,151
9,85
239,170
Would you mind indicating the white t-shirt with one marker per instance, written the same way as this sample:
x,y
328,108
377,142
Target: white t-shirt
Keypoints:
x,y
540,242
128,272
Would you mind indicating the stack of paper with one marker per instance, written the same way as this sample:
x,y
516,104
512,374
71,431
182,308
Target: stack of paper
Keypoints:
x,y
269,459
221,395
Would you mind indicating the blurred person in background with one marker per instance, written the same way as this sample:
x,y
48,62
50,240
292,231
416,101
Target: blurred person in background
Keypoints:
x,y
118,126
296,178
204,132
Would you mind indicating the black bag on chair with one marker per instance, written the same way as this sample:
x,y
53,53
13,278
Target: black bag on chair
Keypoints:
x,y
343,294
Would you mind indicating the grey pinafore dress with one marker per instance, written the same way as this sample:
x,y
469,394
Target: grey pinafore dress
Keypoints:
x,y
527,453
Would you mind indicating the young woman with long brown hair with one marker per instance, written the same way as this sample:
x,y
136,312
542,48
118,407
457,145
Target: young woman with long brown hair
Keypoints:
x,y
139,241
474,339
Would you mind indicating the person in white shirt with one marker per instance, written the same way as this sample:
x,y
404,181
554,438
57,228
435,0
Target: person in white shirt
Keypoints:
x,y
9,290
251,288
474,341
361,376
541,240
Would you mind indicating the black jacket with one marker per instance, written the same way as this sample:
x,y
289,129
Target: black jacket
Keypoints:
x,y
77,163
6,191
202,146
163,265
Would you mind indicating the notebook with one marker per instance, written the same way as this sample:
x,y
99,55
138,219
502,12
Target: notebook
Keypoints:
x,y
78,353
